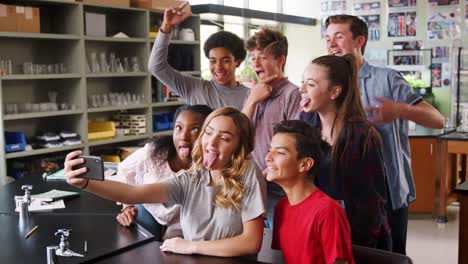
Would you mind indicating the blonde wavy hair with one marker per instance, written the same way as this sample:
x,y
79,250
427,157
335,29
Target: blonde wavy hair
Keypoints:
x,y
231,190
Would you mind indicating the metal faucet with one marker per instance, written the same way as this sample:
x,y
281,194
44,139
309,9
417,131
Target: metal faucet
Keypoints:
x,y
64,247
27,193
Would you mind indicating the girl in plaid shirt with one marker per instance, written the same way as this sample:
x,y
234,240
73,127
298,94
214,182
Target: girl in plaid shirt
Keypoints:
x,y
354,173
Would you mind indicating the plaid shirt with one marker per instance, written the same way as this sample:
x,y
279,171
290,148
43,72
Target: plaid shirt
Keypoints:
x,y
359,182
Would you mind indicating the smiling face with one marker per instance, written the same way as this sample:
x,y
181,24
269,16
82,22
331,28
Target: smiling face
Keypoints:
x,y
219,142
315,92
282,160
340,40
186,130
223,66
265,64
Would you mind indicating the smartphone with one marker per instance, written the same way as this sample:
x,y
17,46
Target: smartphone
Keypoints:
x,y
95,167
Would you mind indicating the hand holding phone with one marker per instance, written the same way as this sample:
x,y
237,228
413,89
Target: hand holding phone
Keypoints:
x,y
94,165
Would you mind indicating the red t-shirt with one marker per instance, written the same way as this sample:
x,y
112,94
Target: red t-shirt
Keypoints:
x,y
315,230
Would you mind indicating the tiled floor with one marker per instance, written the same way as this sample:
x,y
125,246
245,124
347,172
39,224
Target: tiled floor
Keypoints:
x,y
433,243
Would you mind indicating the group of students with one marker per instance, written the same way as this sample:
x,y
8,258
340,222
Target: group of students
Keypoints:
x,y
334,152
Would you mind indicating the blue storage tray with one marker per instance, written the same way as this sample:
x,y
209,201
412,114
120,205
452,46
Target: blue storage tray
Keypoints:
x,y
161,122
14,141
171,120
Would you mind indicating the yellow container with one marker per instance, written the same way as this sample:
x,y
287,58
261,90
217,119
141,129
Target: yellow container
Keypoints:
x,y
111,158
98,130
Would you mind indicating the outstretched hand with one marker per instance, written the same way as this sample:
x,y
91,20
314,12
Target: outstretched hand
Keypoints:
x,y
174,16
178,245
72,175
384,112
128,215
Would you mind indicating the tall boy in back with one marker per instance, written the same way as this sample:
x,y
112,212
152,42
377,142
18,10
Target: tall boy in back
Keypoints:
x,y
225,52
273,99
390,102
309,226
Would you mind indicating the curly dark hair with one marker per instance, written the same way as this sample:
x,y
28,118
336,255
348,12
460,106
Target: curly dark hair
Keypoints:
x,y
227,40
309,142
164,149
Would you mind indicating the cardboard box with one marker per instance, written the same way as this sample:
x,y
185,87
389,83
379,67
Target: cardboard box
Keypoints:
x,y
28,19
118,3
95,24
7,18
158,4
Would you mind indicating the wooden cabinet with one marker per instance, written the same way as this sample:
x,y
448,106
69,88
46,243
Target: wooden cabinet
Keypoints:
x,y
423,165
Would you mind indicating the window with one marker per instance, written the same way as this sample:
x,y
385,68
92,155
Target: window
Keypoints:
x,y
265,5
243,30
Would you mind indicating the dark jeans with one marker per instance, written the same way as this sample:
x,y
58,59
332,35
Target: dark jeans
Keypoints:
x,y
146,220
398,221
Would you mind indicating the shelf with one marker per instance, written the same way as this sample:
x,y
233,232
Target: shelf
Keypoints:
x,y
111,39
163,133
181,42
117,140
171,103
116,108
116,75
192,72
407,52
41,151
40,76
42,114
184,42
224,13
39,36
103,6
63,39
54,2
157,11
409,67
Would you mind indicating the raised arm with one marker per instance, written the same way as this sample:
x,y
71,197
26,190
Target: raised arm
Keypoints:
x,y
174,16
249,242
158,65
113,190
259,92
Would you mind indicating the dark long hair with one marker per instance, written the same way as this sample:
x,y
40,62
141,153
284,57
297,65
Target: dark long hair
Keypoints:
x,y
343,72
163,146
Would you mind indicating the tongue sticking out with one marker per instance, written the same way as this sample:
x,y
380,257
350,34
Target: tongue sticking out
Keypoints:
x,y
209,159
304,102
184,152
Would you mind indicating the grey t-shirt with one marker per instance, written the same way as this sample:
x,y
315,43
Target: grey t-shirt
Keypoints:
x,y
200,218
192,89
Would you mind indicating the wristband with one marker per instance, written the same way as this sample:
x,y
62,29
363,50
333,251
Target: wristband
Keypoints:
x,y
86,184
125,208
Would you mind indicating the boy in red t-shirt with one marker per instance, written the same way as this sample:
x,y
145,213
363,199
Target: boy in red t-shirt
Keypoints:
x,y
309,226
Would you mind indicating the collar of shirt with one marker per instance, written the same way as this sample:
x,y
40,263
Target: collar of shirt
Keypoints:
x,y
277,89
274,93
311,118
365,70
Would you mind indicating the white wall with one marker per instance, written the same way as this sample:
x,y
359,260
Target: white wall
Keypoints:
x,y
304,41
